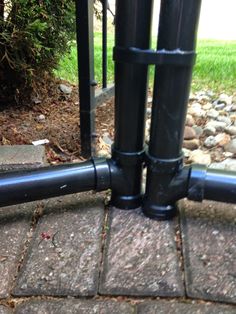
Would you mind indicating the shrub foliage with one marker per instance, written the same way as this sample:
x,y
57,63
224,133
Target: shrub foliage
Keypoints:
x,y
33,35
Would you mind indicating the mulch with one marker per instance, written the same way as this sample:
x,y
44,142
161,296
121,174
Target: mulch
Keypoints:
x,y
20,124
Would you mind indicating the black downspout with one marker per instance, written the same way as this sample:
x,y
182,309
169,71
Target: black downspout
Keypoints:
x,y
133,29
30,185
177,33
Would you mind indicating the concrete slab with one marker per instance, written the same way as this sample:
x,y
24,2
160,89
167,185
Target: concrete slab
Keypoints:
x,y
103,95
21,156
5,310
140,257
75,307
209,247
67,263
173,307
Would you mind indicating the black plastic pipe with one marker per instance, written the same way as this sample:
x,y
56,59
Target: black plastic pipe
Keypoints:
x,y
177,34
30,185
211,184
133,29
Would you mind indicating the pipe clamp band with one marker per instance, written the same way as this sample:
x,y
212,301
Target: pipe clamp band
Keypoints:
x,y
164,166
128,159
175,57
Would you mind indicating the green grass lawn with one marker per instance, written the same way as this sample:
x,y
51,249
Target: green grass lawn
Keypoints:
x,y
215,68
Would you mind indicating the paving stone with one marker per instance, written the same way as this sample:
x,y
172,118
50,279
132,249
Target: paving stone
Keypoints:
x,y
140,257
209,247
5,310
15,220
21,156
173,307
67,264
14,225
75,307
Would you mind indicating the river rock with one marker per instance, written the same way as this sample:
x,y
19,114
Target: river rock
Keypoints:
x,y
224,98
231,130
189,133
227,164
218,125
222,139
231,146
209,130
65,89
210,141
196,110
213,113
207,106
219,106
191,144
225,119
186,152
199,157
198,130
189,120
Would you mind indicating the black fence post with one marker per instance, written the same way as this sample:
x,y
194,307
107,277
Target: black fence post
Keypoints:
x,y
85,46
104,43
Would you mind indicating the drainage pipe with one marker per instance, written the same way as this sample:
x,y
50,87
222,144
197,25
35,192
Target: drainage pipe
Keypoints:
x,y
30,185
132,29
176,38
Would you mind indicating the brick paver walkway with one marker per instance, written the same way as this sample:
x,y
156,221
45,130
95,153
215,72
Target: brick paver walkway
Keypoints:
x,y
97,260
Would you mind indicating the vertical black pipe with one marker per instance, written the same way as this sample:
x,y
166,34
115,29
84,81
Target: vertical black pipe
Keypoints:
x,y
104,43
85,48
177,30
133,28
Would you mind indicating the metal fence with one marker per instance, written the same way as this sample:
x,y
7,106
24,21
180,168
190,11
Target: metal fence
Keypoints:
x,y
87,83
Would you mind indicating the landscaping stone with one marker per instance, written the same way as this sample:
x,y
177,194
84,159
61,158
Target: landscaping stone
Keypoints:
x,y
224,98
189,120
173,307
213,113
198,130
209,249
74,307
210,141
65,89
199,157
231,147
231,130
224,119
209,130
227,164
222,139
21,156
67,264
189,133
191,144
140,256
218,125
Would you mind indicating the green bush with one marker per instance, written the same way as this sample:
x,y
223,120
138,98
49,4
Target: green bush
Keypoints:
x,y
33,36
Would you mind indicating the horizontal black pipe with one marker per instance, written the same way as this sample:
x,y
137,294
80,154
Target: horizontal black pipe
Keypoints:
x,y
30,185
212,184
